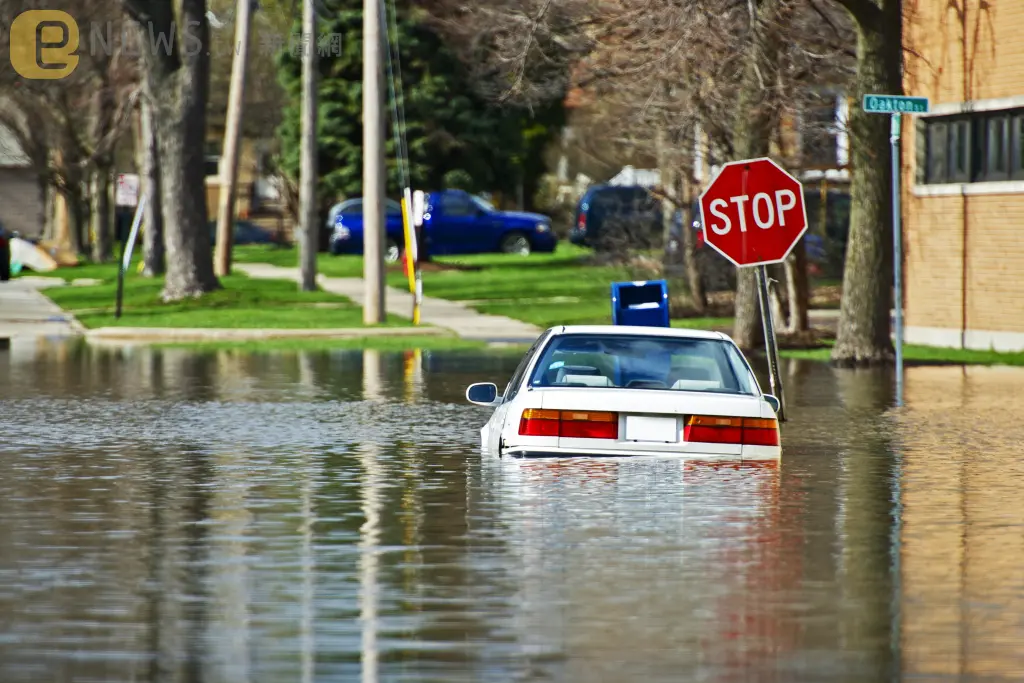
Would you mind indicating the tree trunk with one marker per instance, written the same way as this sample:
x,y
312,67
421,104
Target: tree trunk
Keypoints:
x,y
308,223
101,213
776,300
232,133
752,133
864,318
78,216
178,83
49,197
688,245
153,259
747,331
797,285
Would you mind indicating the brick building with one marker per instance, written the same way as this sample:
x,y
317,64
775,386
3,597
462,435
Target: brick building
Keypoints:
x,y
964,174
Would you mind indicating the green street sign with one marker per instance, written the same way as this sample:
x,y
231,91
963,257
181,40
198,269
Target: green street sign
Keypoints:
x,y
895,104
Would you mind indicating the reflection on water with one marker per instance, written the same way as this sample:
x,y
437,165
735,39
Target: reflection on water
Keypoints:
x,y
225,517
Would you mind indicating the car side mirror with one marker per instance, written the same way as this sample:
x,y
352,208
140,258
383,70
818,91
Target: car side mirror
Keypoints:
x,y
773,402
483,394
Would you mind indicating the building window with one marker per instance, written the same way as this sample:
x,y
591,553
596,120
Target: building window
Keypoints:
x,y
819,145
937,151
211,158
959,152
1017,147
972,148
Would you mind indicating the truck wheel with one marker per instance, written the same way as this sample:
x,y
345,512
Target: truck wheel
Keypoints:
x,y
515,243
391,251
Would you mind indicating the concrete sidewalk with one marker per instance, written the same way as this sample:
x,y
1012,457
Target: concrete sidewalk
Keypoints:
x,y
452,315
26,312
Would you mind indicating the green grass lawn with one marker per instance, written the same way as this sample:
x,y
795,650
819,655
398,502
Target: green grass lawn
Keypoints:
x,y
924,354
724,324
288,257
542,289
242,303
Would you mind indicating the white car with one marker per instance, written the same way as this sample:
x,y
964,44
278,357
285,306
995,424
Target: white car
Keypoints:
x,y
615,390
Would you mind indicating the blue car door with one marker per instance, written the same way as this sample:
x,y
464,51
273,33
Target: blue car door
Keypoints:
x,y
453,224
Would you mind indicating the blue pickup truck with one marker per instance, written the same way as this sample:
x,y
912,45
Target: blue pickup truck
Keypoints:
x,y
454,222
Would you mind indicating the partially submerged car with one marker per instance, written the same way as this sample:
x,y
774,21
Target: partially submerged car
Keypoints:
x,y
618,390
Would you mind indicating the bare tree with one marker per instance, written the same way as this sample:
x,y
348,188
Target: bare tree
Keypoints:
x,y
175,69
69,127
737,68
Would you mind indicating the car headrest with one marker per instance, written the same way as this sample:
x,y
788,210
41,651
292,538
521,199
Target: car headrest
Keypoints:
x,y
696,385
693,372
589,380
567,370
580,370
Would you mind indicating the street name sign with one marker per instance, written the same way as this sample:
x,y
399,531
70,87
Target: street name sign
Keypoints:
x,y
895,104
753,212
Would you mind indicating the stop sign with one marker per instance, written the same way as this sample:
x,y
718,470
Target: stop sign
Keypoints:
x,y
753,212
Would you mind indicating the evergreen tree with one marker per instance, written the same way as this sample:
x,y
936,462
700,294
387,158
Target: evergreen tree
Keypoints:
x,y
456,138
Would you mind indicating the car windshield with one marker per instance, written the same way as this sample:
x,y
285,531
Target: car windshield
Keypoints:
x,y
644,362
483,204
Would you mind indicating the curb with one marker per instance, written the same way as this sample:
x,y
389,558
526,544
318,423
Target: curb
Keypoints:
x,y
171,334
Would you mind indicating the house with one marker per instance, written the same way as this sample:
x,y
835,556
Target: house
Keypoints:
x,y
21,200
963,171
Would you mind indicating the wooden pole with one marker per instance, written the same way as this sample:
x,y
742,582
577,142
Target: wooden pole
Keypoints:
x,y
308,223
232,135
374,311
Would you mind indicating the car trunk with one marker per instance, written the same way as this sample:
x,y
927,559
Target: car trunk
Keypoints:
x,y
650,420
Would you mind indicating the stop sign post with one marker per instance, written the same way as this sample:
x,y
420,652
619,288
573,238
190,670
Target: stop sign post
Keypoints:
x,y
753,214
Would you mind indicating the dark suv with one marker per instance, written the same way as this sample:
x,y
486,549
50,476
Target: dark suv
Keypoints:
x,y
609,216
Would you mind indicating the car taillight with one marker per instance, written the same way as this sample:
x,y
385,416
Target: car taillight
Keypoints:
x,y
570,424
581,222
710,429
748,431
536,422
760,432
589,425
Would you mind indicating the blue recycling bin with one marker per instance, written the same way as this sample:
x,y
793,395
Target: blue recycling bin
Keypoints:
x,y
640,303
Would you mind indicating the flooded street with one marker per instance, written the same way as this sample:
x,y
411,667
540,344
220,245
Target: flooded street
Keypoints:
x,y
229,517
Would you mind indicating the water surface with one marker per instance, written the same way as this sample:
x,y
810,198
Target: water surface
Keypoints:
x,y
224,517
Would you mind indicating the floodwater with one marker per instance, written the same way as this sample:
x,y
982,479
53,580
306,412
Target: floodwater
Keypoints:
x,y
226,518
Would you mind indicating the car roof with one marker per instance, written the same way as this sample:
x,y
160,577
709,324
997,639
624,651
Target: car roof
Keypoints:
x,y
634,330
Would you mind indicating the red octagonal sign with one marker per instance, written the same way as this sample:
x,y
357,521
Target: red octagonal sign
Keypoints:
x,y
753,212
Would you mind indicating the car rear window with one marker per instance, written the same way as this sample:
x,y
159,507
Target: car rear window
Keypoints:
x,y
643,362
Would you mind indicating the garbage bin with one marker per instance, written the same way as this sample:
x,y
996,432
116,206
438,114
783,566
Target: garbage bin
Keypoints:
x,y
5,256
640,303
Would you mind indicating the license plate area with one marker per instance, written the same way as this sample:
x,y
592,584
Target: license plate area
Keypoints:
x,y
649,429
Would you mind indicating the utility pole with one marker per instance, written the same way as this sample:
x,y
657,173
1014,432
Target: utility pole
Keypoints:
x,y
232,133
374,311
308,242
